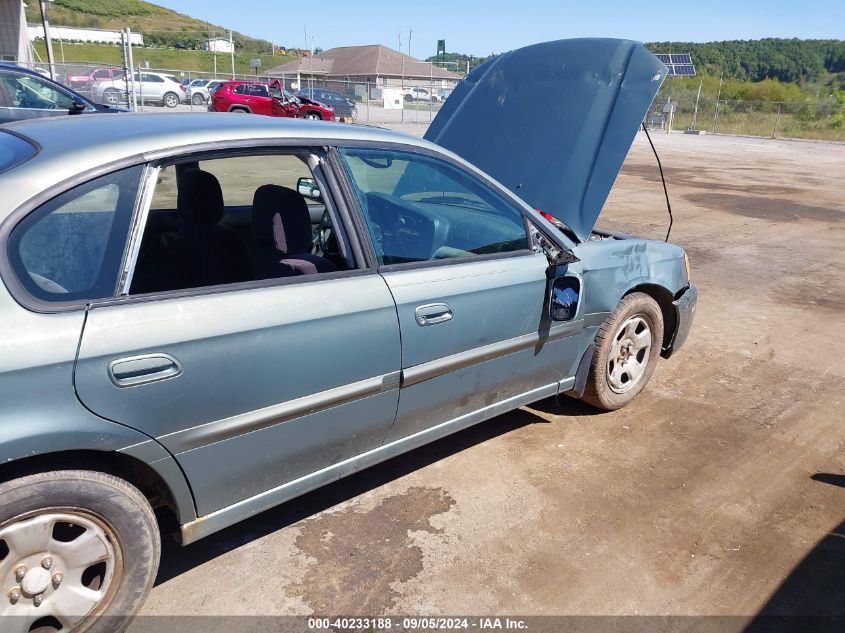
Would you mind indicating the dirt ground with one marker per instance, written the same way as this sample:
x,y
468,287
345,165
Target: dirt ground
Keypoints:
x,y
720,491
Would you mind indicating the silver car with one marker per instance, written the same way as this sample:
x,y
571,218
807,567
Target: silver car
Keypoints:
x,y
197,91
206,315
149,87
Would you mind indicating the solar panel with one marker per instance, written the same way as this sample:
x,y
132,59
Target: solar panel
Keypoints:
x,y
685,70
678,64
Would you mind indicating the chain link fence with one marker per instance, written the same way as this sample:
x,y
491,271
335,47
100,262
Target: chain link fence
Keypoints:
x,y
391,100
416,100
823,119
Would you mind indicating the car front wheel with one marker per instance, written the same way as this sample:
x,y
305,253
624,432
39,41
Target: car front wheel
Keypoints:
x,y
197,100
627,348
314,116
112,96
79,550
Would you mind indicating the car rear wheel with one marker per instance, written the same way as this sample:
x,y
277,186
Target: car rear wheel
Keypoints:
x,y
312,115
239,111
171,100
79,550
627,348
197,100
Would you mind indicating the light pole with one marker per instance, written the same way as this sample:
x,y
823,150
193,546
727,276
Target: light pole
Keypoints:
x,y
47,38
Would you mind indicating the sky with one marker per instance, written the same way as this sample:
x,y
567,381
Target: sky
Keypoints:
x,y
484,27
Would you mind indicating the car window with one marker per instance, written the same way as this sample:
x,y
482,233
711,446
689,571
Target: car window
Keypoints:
x,y
14,150
152,78
71,248
242,89
419,208
189,242
259,91
26,91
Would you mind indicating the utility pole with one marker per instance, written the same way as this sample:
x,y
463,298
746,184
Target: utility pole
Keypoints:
x,y
130,61
232,49
48,39
410,35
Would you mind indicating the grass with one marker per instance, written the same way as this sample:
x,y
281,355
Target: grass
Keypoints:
x,y
767,124
153,21
159,58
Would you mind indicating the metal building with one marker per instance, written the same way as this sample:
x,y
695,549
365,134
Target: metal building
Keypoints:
x,y
14,39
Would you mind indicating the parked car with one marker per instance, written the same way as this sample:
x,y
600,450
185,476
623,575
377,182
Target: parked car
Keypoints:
x,y
26,94
208,315
270,99
342,105
197,91
419,94
82,80
151,87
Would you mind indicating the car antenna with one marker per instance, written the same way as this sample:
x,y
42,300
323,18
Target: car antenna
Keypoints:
x,y
663,179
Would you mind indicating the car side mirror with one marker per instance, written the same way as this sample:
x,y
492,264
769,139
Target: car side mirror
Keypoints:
x,y
308,188
564,298
77,107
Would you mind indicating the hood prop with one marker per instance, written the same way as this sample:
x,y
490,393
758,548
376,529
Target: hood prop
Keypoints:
x,y
663,179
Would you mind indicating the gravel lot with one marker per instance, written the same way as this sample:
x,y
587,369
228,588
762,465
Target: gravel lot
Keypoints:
x,y
720,491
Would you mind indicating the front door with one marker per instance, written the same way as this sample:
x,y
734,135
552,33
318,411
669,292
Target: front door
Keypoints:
x,y
24,96
250,384
470,293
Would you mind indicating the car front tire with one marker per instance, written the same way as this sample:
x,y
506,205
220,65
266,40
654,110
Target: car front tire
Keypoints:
x,y
627,348
79,549
112,96
314,116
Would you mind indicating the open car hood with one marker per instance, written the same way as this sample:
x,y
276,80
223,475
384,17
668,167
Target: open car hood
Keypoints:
x,y
553,122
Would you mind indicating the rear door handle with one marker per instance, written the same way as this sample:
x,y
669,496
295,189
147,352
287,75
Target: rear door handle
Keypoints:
x,y
138,370
433,313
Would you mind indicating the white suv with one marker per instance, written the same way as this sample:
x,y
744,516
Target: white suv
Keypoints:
x,y
419,94
149,87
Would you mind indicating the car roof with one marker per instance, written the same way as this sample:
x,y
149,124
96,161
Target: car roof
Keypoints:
x,y
21,69
69,146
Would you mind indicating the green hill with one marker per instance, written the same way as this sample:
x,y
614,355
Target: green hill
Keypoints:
x,y
160,26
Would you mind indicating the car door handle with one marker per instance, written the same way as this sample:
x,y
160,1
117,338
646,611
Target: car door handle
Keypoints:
x,y
433,313
138,370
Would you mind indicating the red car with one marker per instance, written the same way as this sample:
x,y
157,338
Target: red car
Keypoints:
x,y
81,80
270,99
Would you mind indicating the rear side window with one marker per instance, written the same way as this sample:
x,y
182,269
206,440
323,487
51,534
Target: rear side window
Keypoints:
x,y
14,150
71,248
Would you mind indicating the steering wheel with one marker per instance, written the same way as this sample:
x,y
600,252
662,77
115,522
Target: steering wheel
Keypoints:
x,y
326,239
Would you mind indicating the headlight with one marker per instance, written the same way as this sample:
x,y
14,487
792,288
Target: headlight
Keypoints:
x,y
687,266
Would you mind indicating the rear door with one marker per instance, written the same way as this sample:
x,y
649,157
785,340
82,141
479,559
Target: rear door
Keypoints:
x,y
470,292
251,385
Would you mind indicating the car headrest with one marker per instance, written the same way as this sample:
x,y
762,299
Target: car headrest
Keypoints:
x,y
280,217
200,199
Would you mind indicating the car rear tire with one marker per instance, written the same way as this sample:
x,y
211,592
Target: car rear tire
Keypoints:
x,y
314,116
239,111
197,100
627,348
79,550
171,100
